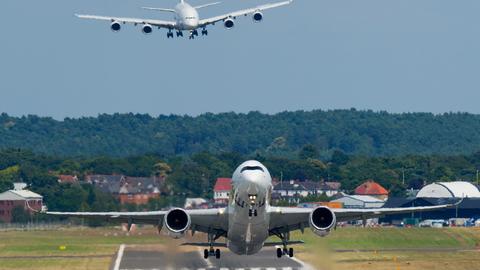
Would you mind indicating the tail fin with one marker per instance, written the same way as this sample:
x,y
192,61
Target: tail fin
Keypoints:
x,y
159,9
207,5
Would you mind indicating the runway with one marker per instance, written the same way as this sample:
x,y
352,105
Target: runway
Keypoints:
x,y
160,258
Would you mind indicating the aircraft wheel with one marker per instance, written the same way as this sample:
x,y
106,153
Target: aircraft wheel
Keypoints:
x,y
217,253
205,254
279,252
290,252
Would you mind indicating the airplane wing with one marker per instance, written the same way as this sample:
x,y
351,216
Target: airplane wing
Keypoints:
x,y
202,219
158,23
244,12
286,219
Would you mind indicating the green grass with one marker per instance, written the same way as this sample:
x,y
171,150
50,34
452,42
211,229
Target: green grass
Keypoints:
x,y
395,238
104,243
78,241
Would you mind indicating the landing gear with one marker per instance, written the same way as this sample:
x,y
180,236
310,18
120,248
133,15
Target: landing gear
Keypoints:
x,y
193,34
284,251
211,252
170,34
285,237
252,212
204,32
179,34
212,236
279,253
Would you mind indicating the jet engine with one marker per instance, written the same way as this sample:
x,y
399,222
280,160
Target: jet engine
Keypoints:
x,y
257,16
322,220
115,26
147,29
229,24
177,221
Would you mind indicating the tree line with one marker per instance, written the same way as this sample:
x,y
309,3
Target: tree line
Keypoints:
x,y
283,134
194,175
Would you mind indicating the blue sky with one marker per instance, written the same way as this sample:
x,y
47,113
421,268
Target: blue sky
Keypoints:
x,y
394,55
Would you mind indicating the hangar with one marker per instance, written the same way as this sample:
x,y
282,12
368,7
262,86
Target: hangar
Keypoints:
x,y
457,189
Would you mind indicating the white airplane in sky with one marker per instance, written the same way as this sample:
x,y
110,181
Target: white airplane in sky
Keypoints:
x,y
249,219
186,18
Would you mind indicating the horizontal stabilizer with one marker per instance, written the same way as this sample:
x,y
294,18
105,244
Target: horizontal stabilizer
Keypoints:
x,y
207,5
205,244
159,9
272,244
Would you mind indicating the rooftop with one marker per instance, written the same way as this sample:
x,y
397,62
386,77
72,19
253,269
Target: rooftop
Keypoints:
x,y
223,184
370,187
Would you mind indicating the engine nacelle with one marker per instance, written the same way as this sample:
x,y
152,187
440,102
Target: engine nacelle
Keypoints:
x,y
229,23
147,29
257,16
322,220
177,221
115,26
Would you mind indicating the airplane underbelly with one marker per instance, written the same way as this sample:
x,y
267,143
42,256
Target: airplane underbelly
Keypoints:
x,y
247,238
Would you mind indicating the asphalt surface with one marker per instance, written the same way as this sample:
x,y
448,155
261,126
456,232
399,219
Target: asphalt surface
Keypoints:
x,y
134,258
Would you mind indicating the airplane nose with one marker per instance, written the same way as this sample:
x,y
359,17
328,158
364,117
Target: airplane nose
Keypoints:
x,y
255,179
252,176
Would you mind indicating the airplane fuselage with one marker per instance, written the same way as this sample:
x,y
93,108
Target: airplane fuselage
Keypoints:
x,y
248,223
186,17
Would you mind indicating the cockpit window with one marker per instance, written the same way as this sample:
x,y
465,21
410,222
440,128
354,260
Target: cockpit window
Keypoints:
x,y
251,168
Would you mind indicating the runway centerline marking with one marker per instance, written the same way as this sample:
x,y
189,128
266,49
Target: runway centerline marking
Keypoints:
x,y
119,257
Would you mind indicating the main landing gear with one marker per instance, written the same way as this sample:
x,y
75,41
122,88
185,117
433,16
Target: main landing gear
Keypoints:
x,y
285,237
170,34
284,251
211,252
204,32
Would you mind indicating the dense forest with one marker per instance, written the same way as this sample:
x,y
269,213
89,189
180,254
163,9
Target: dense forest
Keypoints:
x,y
194,175
284,134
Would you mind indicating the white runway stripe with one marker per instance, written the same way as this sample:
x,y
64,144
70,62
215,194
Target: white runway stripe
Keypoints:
x,y
223,268
119,257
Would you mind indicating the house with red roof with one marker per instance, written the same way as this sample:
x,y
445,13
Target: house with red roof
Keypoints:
x,y
67,179
372,188
222,189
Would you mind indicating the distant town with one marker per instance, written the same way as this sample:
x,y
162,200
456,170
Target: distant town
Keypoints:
x,y
370,194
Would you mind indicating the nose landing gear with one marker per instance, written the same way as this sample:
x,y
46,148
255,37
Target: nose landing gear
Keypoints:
x,y
193,34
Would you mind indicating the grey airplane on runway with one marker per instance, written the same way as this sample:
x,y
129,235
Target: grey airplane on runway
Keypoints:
x,y
249,219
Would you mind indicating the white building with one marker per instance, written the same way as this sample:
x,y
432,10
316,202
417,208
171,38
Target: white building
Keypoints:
x,y
458,189
360,201
222,189
296,188
192,203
